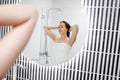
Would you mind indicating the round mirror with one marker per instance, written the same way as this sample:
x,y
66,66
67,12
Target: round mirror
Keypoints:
x,y
42,47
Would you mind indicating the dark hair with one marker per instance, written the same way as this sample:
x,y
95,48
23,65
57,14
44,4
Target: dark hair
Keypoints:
x,y
67,25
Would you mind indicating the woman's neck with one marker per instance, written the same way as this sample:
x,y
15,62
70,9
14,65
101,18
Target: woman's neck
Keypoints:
x,y
63,37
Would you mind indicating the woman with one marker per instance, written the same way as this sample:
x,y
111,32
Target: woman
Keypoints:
x,y
63,44
22,18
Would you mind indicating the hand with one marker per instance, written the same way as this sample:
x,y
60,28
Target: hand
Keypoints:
x,y
74,27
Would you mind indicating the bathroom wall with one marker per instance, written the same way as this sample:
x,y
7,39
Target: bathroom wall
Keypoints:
x,y
100,57
98,60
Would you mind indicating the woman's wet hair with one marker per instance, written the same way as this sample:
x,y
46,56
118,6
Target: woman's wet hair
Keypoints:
x,y
67,25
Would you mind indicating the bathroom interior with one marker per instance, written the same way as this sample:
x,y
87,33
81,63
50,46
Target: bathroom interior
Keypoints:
x,y
94,56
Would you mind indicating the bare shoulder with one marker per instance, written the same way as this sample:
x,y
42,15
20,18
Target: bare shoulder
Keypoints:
x,y
68,41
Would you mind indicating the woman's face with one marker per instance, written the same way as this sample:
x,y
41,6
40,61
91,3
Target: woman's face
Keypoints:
x,y
61,28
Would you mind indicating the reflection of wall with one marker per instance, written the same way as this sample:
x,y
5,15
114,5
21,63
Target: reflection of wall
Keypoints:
x,y
66,3
38,3
33,48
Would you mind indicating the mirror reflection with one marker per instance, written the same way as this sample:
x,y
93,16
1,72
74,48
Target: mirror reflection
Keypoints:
x,y
61,45
59,33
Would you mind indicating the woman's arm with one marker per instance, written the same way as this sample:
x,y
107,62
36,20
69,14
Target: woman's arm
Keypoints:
x,y
23,19
49,32
74,29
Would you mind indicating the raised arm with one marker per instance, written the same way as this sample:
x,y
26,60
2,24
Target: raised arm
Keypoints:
x,y
74,29
49,32
23,19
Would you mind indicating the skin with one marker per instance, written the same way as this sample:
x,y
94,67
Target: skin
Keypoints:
x,y
62,30
23,19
